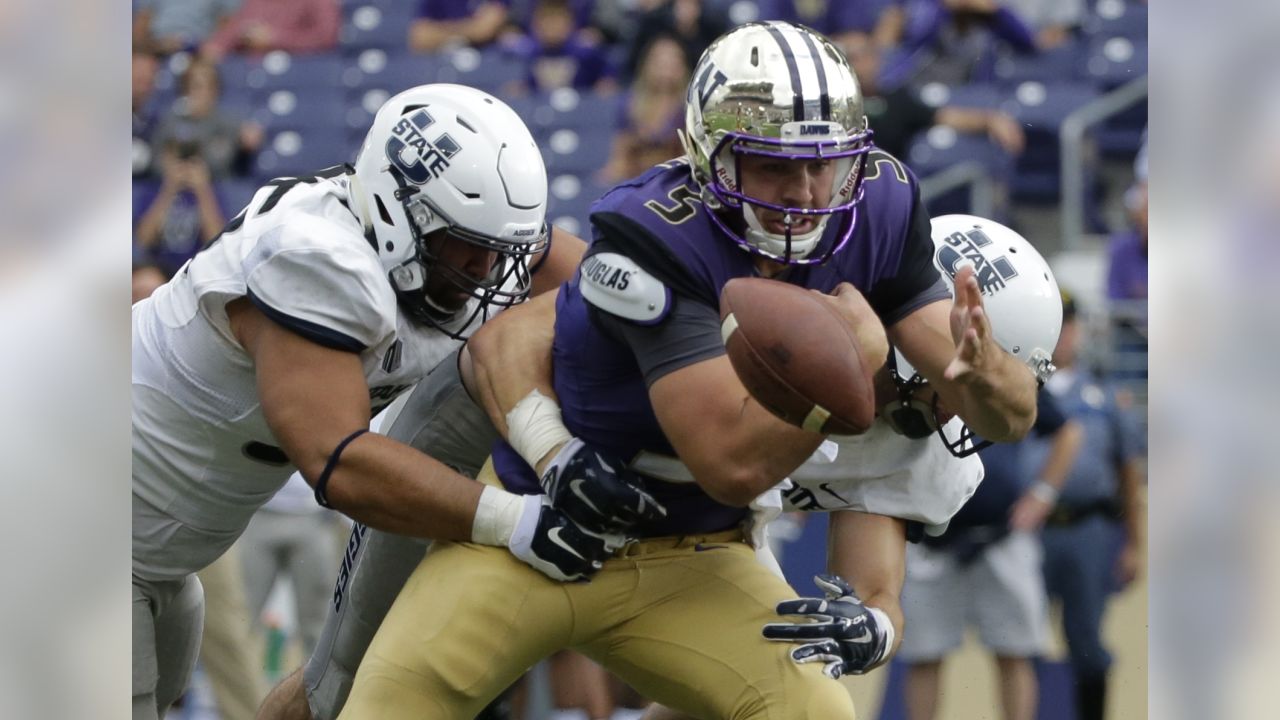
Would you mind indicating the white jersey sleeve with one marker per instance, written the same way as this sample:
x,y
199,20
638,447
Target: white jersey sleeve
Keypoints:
x,y
884,473
332,293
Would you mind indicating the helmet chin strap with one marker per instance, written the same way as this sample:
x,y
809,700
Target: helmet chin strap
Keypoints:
x,y
777,244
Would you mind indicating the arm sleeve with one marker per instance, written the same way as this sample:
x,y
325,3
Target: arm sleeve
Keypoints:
x,y
917,282
689,334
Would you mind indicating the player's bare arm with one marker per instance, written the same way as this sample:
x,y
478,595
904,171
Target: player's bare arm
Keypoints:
x,y
525,332
377,481
870,551
952,346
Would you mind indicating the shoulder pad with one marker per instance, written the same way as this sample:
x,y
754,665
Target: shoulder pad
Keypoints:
x,y
616,284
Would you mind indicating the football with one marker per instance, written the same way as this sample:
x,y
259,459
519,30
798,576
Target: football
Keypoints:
x,y
796,356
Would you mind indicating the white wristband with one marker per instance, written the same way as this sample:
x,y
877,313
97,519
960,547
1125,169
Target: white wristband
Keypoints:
x,y
1045,493
497,515
534,427
882,619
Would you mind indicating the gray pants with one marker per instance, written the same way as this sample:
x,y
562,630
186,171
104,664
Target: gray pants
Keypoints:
x,y
167,619
300,545
440,420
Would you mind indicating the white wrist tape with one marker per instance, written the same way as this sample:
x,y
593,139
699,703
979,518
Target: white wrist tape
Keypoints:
x,y
882,619
1045,493
497,516
534,427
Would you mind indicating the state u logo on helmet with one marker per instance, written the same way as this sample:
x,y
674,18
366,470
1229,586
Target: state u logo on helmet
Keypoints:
x,y
1022,303
446,167
782,92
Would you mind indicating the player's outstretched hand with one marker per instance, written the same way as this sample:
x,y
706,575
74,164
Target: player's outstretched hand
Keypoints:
x,y
597,491
970,329
839,630
555,545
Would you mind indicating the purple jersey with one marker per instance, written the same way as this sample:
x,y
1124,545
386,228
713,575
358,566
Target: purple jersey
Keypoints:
x,y
657,221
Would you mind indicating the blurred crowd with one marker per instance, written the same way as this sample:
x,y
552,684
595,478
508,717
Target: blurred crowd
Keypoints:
x,y
227,94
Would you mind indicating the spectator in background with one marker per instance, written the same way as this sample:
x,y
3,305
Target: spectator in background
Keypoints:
x,y
833,18
986,569
226,144
465,22
183,215
144,110
259,26
693,23
147,276
1087,553
167,26
1055,22
947,41
898,115
1127,270
650,112
558,54
291,535
1127,287
230,653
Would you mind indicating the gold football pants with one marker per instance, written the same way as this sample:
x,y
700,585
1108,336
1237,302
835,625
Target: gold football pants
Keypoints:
x,y
678,618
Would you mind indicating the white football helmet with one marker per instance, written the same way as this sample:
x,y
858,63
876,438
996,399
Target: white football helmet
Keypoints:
x,y
1022,302
445,164
777,90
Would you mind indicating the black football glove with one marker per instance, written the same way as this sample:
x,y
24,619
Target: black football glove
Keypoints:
x,y
848,636
597,490
555,545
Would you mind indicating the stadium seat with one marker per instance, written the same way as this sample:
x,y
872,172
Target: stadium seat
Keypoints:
x,y
376,25
390,71
489,69
583,151
1063,63
293,152
941,148
280,70
1117,17
1114,60
305,108
569,199
236,193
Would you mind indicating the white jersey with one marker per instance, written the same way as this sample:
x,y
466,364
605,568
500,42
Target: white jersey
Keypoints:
x,y
204,459
885,473
878,472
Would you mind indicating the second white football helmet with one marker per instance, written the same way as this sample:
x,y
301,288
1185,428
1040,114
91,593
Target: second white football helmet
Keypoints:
x,y
1021,300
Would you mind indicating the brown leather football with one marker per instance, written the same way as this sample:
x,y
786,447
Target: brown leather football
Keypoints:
x,y
796,356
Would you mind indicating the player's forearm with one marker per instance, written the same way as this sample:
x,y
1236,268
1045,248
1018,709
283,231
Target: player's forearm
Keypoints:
x,y
999,402
733,446
870,552
525,333
392,487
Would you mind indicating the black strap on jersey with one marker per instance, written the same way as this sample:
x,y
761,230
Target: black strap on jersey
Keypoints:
x,y
332,463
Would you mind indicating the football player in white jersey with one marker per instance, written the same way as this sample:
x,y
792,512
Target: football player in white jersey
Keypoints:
x,y
323,300
891,483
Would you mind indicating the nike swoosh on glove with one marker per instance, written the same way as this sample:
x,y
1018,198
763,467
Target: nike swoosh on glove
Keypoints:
x,y
553,544
597,490
841,631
